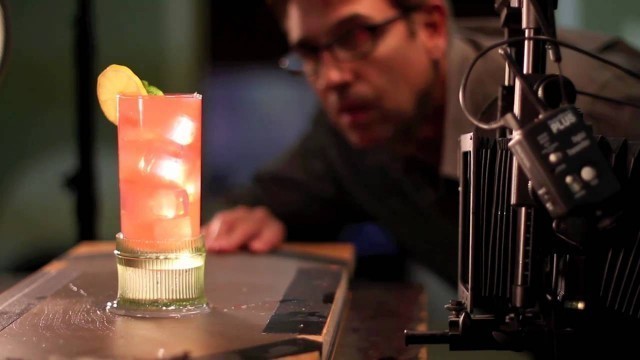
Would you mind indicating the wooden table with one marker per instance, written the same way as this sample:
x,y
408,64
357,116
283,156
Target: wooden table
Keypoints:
x,y
297,302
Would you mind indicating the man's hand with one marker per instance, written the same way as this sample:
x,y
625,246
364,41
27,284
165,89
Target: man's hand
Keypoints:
x,y
255,228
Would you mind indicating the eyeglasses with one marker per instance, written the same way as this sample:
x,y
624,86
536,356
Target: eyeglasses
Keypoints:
x,y
353,44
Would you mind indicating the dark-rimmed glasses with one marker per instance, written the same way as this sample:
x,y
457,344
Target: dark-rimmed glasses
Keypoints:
x,y
353,44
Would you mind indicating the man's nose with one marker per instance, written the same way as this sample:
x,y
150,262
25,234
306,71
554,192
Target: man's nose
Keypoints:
x,y
331,71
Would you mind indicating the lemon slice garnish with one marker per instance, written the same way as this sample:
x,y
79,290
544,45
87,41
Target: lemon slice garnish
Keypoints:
x,y
114,80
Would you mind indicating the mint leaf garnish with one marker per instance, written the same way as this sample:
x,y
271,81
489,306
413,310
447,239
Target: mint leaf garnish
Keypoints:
x,y
151,90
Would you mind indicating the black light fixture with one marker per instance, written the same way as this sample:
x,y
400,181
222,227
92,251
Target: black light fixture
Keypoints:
x,y
4,36
82,181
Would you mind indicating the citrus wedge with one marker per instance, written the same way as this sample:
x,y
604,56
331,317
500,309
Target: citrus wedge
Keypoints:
x,y
114,80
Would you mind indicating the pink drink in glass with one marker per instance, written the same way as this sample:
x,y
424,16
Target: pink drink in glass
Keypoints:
x,y
160,251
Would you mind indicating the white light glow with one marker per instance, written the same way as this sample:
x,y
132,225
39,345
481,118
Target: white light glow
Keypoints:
x,y
166,167
169,204
170,169
191,190
183,131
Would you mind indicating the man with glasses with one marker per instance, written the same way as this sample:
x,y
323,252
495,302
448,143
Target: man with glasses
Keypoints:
x,y
387,73
378,69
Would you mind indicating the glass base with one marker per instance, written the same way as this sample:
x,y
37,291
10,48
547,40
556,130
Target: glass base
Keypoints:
x,y
127,308
160,284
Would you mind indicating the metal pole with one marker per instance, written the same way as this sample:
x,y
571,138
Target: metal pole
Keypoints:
x,y
82,182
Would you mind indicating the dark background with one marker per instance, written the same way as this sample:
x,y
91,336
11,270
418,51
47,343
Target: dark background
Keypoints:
x,y
244,31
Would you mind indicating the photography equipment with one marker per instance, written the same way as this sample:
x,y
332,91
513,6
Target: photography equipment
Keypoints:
x,y
549,232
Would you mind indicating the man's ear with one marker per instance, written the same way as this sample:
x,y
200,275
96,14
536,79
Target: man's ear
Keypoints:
x,y
432,25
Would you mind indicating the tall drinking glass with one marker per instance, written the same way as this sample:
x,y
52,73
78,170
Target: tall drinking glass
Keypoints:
x,y
160,252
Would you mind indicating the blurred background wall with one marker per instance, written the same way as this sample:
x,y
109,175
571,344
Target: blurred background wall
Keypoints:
x,y
226,50
164,41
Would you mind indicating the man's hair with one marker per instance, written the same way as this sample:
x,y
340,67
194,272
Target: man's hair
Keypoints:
x,y
279,6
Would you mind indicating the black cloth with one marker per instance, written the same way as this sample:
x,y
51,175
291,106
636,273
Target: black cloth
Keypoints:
x,y
323,184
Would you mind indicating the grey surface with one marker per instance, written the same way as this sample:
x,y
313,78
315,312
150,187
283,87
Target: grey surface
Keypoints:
x,y
65,313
